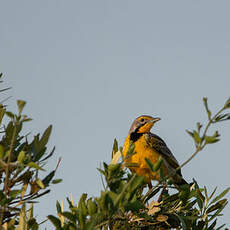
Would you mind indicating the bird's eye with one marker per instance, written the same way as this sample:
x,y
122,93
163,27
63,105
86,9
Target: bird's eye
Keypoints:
x,y
142,119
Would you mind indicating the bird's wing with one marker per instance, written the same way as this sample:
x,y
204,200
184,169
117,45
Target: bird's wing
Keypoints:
x,y
159,146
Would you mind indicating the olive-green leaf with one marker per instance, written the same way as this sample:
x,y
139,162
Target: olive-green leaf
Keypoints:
x,y
45,137
34,165
134,206
21,156
190,133
131,150
227,104
40,184
21,105
48,178
55,221
56,181
1,151
82,205
205,100
196,137
184,227
150,164
216,206
2,112
218,212
58,206
158,165
10,114
211,139
221,226
137,182
199,126
72,218
211,227
92,207
115,147
221,195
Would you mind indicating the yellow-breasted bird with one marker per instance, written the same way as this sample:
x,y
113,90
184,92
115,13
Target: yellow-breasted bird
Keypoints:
x,y
150,146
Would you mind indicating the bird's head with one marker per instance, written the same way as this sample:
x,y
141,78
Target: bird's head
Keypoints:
x,y
143,124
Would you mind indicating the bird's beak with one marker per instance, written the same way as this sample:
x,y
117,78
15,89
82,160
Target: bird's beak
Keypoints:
x,y
154,120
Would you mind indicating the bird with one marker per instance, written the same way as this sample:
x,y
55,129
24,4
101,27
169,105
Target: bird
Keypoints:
x,y
150,146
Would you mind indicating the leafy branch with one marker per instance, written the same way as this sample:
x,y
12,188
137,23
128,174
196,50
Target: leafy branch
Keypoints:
x,y
123,202
202,139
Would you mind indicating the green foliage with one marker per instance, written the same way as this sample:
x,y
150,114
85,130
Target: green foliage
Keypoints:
x,y
21,162
126,204
202,139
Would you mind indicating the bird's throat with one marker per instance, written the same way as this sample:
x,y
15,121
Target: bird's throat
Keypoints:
x,y
135,136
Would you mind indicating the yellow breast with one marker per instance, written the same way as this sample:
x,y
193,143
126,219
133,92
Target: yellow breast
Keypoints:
x,y
142,150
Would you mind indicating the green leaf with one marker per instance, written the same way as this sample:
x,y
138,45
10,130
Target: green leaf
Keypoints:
x,y
211,139
21,105
131,150
2,90
92,207
90,225
227,104
190,133
101,171
221,227
58,206
222,117
34,165
134,206
14,193
218,212
205,100
196,137
211,227
213,193
21,157
221,195
72,218
2,112
48,178
183,225
184,195
158,164
206,193
199,197
10,114
1,152
49,155
40,184
201,224
150,194
115,147
218,205
129,165
199,126
150,164
113,167
82,205
137,182
56,181
45,137
55,221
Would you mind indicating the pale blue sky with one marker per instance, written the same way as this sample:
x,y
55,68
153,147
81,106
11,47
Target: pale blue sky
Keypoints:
x,y
91,67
